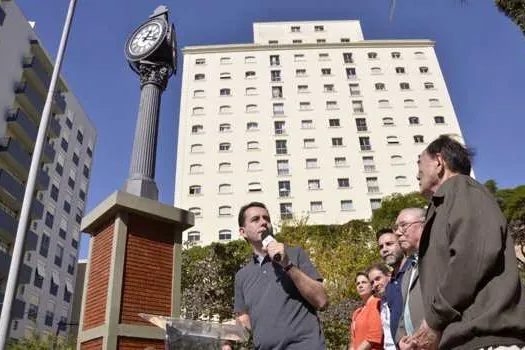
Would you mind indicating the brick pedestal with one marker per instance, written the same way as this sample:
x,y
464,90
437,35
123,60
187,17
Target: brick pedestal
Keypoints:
x,y
134,267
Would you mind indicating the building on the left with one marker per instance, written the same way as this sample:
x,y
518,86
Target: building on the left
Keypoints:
x,y
47,276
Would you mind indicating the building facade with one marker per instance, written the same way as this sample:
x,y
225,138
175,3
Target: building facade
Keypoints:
x,y
47,278
311,119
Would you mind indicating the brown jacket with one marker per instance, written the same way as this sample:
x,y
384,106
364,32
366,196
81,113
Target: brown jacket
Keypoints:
x,y
468,270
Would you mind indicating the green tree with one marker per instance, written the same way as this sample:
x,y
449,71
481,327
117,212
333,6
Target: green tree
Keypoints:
x,y
392,205
515,10
37,341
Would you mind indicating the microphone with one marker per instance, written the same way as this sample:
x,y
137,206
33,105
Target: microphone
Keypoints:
x,y
267,237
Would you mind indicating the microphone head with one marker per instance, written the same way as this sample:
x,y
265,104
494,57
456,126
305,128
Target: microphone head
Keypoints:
x,y
267,236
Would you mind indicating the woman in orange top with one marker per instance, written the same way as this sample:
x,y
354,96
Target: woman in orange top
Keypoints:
x,y
366,329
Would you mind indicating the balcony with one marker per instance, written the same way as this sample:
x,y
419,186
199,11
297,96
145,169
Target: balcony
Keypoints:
x,y
22,126
17,310
37,209
36,72
8,225
15,156
30,99
24,274
42,180
48,154
31,240
11,190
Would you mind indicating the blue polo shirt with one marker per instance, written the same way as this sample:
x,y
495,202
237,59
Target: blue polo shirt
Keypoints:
x,y
394,297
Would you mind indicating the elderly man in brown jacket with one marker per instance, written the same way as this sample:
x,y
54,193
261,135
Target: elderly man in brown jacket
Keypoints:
x,y
472,295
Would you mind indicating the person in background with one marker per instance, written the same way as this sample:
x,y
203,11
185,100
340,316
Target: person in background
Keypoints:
x,y
365,328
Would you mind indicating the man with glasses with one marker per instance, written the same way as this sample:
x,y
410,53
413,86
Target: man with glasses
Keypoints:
x,y
408,227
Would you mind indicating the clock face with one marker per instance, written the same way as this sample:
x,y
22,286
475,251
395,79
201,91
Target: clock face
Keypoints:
x,y
146,39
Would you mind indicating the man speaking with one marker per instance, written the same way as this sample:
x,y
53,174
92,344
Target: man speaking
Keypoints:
x,y
278,293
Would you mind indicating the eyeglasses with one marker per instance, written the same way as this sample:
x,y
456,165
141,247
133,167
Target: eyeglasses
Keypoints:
x,y
403,226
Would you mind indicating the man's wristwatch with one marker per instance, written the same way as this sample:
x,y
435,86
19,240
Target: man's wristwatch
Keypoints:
x,y
288,267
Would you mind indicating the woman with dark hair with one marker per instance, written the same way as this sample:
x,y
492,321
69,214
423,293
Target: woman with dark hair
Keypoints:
x,y
366,330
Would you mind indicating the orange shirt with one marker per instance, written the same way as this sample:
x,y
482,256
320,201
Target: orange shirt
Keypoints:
x,y
366,324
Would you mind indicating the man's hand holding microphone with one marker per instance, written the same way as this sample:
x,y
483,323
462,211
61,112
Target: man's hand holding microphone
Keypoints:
x,y
274,249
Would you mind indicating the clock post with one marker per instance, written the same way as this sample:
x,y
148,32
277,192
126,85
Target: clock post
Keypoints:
x,y
135,247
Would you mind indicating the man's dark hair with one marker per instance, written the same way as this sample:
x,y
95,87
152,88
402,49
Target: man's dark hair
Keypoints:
x,y
242,211
381,267
383,231
457,157
360,273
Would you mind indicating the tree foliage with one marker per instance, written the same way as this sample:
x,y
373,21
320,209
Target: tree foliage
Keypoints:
x,y
515,10
36,341
392,205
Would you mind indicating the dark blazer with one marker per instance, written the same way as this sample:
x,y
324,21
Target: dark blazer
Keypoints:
x,y
415,301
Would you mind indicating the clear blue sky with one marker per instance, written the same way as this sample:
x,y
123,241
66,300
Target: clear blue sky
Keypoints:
x,y
481,54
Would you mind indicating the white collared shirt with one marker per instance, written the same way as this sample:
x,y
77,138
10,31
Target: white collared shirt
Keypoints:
x,y
389,343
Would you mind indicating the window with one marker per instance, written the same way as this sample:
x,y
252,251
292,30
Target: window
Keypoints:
x,y
71,264
198,111
198,93
351,73
254,166
53,284
375,70
345,40
401,180
225,127
328,88
300,72
316,206
360,123
59,167
395,55
225,109
429,86
225,210
275,75
314,184
307,124
392,140
252,126
251,59
296,29
69,123
225,60
80,137
59,254
372,184
225,235
380,86
200,61
225,188
434,102
357,107
40,273
252,145
396,159
251,108
419,139
400,70
375,203
302,88
284,188
311,163
54,192
423,70
321,41
326,71
347,204
409,103
74,243
439,119
280,147
249,75
64,144
372,55
89,151
225,167
286,211
364,143
343,182
85,172
50,218
225,92
334,123
277,91
278,109
197,129
413,120
304,106
383,104
195,168
67,206
194,236
324,56
337,141
368,164
197,148
404,86
254,187
309,143
274,60
297,41
298,57
195,190
419,55
331,105
319,28
340,161
225,147
67,294
199,76
32,312
196,211
283,167
279,127
251,91
354,89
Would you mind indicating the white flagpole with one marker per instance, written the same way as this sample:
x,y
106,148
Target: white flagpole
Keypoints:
x,y
18,249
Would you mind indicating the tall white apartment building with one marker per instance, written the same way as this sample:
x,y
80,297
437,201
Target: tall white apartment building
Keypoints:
x,y
47,276
311,119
